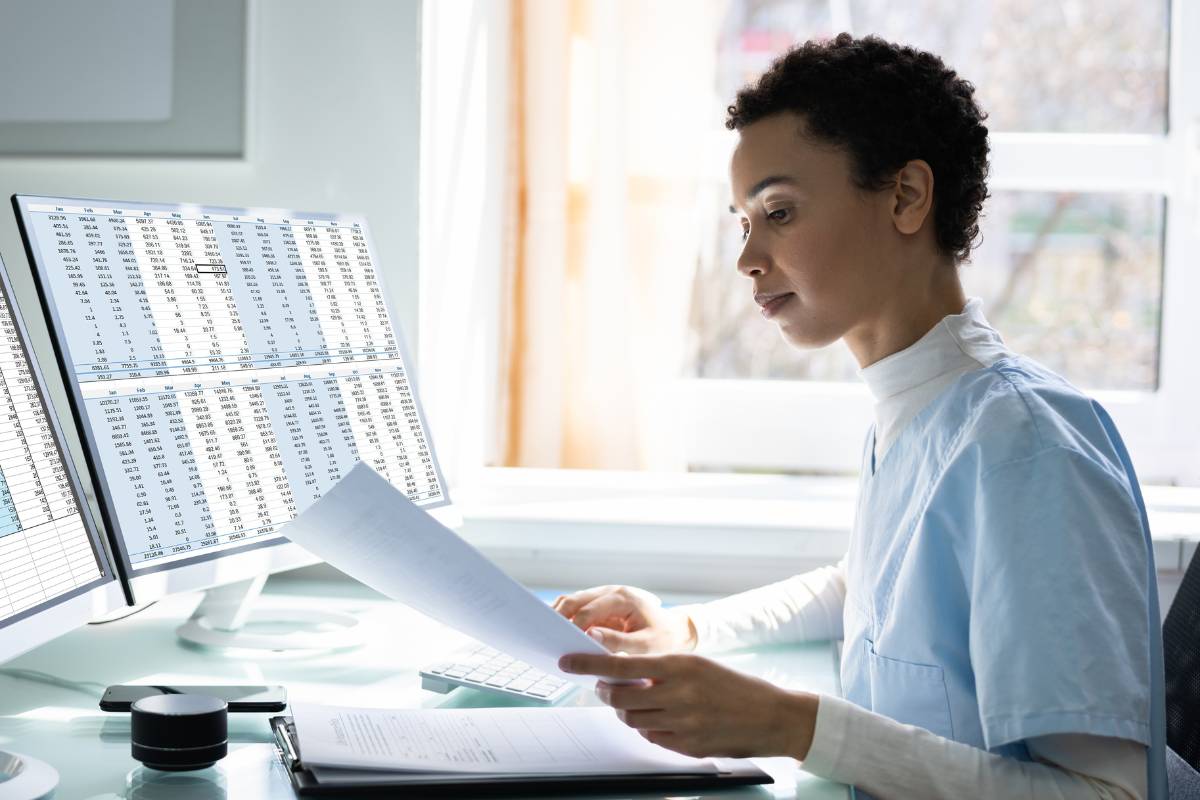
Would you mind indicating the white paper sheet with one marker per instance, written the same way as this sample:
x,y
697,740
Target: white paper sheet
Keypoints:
x,y
575,741
368,529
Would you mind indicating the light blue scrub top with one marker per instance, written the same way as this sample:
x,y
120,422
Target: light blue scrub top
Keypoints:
x,y
1000,580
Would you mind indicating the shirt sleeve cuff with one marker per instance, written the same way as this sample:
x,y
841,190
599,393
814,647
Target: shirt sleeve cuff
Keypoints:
x,y
829,736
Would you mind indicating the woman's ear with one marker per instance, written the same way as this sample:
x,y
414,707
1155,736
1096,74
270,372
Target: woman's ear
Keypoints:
x,y
913,196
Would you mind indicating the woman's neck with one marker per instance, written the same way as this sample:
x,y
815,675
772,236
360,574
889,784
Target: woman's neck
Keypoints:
x,y
906,316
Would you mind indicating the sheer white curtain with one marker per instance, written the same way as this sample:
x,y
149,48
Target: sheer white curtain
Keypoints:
x,y
464,159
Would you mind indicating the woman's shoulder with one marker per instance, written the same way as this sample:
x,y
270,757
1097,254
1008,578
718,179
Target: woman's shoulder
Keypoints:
x,y
1016,409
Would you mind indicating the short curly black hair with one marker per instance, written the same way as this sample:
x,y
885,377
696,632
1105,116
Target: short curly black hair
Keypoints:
x,y
886,104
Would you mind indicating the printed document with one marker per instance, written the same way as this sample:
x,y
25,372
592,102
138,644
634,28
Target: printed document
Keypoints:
x,y
368,529
575,741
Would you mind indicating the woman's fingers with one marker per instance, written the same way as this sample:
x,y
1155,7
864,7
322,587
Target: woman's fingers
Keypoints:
x,y
632,697
635,643
621,667
651,720
697,707
568,605
609,610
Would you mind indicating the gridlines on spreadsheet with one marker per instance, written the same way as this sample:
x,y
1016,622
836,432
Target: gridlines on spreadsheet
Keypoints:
x,y
231,368
45,551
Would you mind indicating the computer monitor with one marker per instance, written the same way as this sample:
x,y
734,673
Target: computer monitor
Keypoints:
x,y
226,367
54,571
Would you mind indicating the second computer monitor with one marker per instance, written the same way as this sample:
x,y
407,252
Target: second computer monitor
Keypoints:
x,y
54,571
226,366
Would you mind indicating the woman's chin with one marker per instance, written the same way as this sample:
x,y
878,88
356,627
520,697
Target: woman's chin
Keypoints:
x,y
805,337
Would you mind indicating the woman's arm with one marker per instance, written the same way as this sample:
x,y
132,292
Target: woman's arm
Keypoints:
x,y
695,706
802,608
881,756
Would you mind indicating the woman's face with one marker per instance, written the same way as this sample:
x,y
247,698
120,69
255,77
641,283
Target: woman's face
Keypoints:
x,y
815,245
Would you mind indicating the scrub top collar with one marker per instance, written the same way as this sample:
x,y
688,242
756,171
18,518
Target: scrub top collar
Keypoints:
x,y
957,340
907,381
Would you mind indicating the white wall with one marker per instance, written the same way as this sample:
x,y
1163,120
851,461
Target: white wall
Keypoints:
x,y
333,95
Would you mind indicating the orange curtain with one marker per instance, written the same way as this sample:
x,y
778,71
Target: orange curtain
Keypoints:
x,y
610,168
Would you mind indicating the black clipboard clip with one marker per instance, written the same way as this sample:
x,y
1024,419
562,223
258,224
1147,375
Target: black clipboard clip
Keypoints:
x,y
285,742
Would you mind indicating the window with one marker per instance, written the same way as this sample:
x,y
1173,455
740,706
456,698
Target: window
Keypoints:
x,y
1089,236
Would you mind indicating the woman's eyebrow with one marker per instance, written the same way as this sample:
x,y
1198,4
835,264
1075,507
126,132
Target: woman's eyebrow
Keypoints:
x,y
769,181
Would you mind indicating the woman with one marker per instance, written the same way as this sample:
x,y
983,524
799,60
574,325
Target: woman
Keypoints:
x,y
997,601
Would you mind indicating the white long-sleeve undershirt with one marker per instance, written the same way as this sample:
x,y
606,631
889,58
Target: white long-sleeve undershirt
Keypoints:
x,y
888,759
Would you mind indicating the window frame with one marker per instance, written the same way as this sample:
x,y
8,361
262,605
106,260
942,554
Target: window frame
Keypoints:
x,y
819,427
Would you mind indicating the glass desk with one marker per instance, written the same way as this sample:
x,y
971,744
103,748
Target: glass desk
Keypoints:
x,y
90,748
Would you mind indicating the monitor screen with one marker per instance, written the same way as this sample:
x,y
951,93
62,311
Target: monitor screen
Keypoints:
x,y
227,366
50,551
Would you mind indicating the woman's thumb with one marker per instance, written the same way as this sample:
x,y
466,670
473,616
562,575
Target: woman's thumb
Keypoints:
x,y
617,641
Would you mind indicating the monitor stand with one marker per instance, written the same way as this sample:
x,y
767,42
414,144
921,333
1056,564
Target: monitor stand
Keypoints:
x,y
25,777
223,615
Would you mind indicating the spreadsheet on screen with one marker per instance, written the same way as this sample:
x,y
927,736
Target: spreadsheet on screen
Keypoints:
x,y
229,366
45,550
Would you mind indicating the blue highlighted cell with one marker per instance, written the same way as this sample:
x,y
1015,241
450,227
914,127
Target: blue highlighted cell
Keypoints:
x,y
9,521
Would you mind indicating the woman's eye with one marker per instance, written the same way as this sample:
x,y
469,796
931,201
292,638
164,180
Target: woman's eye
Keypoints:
x,y
779,215
745,232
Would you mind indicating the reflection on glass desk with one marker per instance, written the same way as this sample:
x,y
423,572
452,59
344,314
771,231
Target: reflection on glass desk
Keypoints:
x,y
63,725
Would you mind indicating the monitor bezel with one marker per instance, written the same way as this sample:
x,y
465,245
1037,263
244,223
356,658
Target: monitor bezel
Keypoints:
x,y
204,570
51,618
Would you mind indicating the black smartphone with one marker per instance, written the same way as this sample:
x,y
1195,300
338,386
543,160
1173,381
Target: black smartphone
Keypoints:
x,y
240,698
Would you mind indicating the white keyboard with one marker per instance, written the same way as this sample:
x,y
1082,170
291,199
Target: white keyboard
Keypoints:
x,y
489,670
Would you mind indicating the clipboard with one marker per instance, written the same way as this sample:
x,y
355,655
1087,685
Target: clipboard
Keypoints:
x,y
364,783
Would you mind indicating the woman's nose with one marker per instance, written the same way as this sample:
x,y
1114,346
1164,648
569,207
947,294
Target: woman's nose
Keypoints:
x,y
751,262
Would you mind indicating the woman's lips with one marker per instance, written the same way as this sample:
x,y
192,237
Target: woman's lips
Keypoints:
x,y
772,306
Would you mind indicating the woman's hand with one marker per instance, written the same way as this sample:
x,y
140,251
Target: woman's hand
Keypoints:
x,y
623,618
700,708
